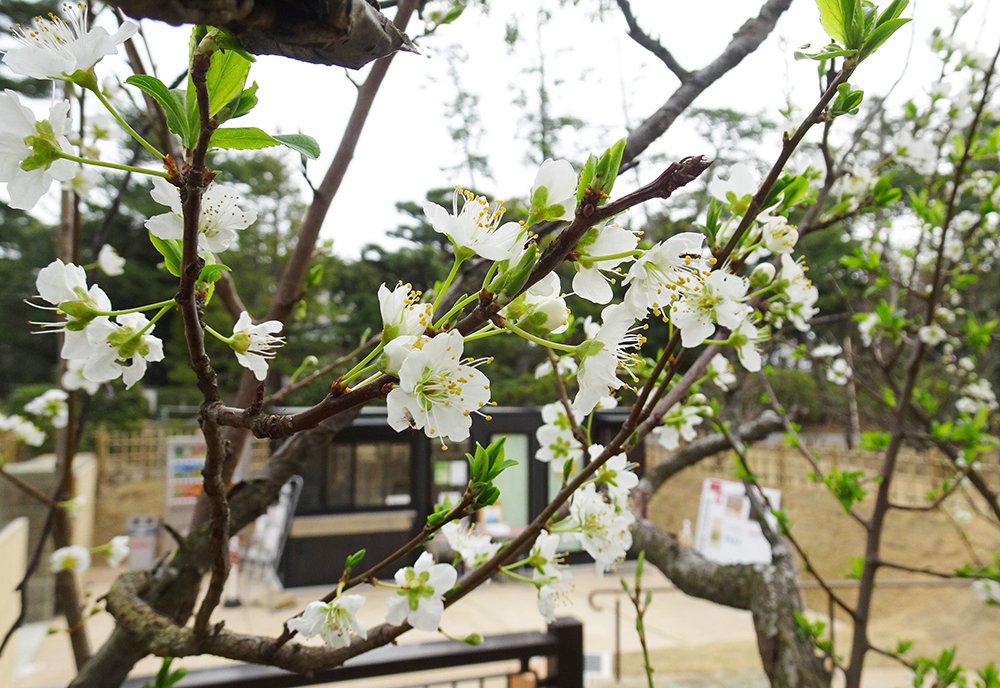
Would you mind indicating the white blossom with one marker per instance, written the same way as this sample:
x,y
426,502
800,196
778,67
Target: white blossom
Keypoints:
x,y
119,349
553,195
800,292
473,548
932,334
438,391
612,346
220,220
556,443
741,182
74,558
475,227
826,351
23,430
255,345
550,575
334,621
608,240
418,599
779,236
29,159
110,263
718,300
744,338
681,423
50,405
668,270
73,378
541,309
402,312
604,530
987,590
117,550
57,48
565,365
866,328
617,474
722,372
839,373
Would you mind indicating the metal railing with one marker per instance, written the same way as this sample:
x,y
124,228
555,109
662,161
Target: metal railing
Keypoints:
x,y
561,646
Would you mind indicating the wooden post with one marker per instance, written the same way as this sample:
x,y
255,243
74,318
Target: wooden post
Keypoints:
x,y
567,664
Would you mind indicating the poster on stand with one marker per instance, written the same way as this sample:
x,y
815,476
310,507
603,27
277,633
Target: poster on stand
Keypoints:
x,y
726,532
185,460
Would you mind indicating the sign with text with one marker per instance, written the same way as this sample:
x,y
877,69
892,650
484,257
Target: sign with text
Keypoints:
x,y
726,532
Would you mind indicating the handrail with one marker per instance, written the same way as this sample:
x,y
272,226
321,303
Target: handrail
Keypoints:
x,y
562,644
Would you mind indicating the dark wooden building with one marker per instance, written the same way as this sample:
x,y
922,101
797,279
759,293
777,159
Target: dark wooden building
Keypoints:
x,y
374,487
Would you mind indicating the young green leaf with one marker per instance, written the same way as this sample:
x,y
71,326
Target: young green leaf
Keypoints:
x,y
832,18
172,102
171,250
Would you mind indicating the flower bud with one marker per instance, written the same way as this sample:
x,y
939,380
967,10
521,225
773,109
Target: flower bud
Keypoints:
x,y
762,275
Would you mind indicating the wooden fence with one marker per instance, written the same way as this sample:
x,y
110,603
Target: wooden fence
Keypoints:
x,y
141,455
783,467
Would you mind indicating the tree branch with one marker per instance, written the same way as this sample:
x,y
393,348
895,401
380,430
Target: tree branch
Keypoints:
x,y
636,33
349,33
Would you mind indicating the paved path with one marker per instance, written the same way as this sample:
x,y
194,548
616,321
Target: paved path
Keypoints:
x,y
695,644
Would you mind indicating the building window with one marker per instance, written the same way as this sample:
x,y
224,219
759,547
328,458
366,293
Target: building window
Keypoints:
x,y
358,476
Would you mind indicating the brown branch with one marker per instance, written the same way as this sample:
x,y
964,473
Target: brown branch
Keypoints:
x,y
578,433
661,53
27,488
193,183
915,569
746,40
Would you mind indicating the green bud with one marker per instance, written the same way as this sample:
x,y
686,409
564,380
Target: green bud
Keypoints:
x,y
45,149
78,310
588,348
761,275
516,277
240,342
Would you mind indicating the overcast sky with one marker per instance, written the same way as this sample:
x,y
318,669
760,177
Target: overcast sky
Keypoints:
x,y
595,72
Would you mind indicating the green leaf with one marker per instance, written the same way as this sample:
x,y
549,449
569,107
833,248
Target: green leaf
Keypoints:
x,y
354,559
880,35
210,274
300,143
894,9
586,177
171,250
241,138
247,101
607,168
452,14
225,79
172,102
252,138
832,19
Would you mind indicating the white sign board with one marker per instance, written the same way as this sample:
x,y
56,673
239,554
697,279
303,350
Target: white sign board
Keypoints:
x,y
726,532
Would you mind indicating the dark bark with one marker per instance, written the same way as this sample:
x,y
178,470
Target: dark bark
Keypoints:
x,y
349,33
768,591
173,588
